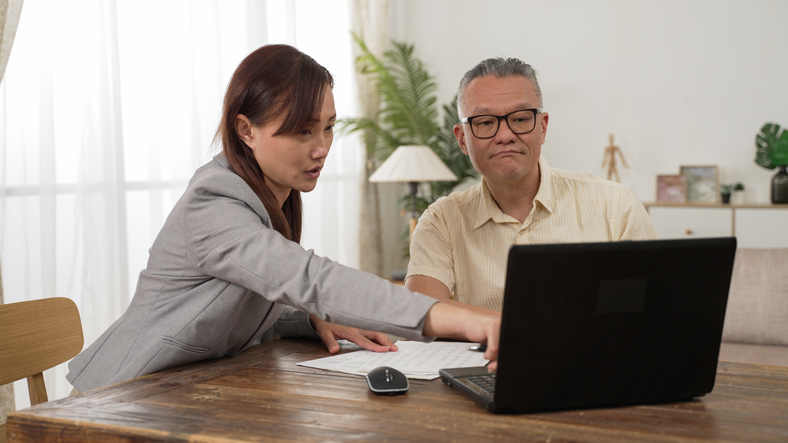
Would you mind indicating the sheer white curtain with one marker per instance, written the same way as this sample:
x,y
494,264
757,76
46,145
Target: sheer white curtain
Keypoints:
x,y
106,109
9,19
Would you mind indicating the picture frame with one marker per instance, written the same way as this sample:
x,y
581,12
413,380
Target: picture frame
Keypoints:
x,y
671,188
701,183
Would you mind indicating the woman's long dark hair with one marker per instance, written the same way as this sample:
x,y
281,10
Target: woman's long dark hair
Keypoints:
x,y
272,80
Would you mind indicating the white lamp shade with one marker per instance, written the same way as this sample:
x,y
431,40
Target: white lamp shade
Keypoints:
x,y
413,163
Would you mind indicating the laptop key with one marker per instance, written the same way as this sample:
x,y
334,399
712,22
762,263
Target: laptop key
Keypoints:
x,y
486,381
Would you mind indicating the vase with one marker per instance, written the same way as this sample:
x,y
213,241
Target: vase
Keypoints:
x,y
780,186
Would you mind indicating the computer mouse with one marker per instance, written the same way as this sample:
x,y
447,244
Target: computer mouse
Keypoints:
x,y
385,380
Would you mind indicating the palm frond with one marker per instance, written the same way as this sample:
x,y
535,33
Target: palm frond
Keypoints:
x,y
408,96
380,143
763,145
409,114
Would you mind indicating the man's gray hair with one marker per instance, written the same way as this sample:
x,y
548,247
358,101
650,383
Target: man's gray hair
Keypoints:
x,y
501,68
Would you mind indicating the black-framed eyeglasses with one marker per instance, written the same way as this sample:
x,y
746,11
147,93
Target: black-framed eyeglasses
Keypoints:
x,y
521,121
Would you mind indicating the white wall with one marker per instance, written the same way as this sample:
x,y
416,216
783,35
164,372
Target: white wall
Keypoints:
x,y
676,81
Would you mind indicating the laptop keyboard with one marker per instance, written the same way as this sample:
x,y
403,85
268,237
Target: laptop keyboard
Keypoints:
x,y
486,381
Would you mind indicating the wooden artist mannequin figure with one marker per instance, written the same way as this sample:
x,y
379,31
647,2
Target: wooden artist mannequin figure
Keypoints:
x,y
609,160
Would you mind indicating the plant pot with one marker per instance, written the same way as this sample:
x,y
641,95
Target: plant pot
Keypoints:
x,y
780,186
726,197
737,198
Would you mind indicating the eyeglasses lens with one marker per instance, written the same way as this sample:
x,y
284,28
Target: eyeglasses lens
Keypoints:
x,y
520,122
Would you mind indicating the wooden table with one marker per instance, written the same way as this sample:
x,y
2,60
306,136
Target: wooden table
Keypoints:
x,y
262,395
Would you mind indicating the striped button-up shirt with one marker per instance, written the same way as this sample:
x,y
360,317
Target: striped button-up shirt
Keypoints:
x,y
463,239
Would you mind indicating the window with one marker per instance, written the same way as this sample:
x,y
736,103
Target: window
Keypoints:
x,y
106,109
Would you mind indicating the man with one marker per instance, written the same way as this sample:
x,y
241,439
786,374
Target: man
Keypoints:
x,y
460,246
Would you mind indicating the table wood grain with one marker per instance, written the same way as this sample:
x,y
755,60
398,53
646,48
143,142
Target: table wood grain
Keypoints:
x,y
262,395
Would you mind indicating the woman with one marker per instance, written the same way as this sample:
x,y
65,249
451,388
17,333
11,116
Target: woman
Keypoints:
x,y
226,271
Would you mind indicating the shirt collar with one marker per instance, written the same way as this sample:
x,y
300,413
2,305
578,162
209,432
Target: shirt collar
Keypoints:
x,y
222,159
545,194
489,210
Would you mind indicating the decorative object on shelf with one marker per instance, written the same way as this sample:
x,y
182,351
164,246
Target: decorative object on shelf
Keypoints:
x,y
771,151
413,164
671,189
730,191
725,193
609,161
780,186
701,182
737,198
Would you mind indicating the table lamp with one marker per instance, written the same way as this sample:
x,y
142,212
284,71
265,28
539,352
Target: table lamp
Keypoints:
x,y
413,164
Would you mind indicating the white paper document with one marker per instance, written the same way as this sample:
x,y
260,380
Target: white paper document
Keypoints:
x,y
415,359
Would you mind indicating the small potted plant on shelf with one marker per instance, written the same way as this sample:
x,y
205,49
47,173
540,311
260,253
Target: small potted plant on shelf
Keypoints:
x,y
725,192
732,189
737,198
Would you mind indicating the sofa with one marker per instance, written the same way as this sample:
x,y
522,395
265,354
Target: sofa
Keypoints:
x,y
756,320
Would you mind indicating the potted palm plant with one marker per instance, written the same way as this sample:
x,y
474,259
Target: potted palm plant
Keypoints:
x,y
772,152
408,115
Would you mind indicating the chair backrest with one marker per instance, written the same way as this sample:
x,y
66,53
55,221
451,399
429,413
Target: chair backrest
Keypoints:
x,y
37,335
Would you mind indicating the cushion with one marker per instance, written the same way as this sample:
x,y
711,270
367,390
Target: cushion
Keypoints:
x,y
758,300
752,353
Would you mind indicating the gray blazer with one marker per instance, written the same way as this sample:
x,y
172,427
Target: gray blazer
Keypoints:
x,y
218,279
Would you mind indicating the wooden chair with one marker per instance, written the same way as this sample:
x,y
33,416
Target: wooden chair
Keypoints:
x,y
34,336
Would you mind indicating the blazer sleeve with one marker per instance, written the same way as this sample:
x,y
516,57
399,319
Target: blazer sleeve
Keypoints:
x,y
231,239
293,323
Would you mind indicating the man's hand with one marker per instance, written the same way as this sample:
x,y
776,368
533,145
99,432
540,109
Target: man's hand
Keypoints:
x,y
447,321
330,333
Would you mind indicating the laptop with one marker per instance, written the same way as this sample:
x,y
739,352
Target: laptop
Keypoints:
x,y
589,325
